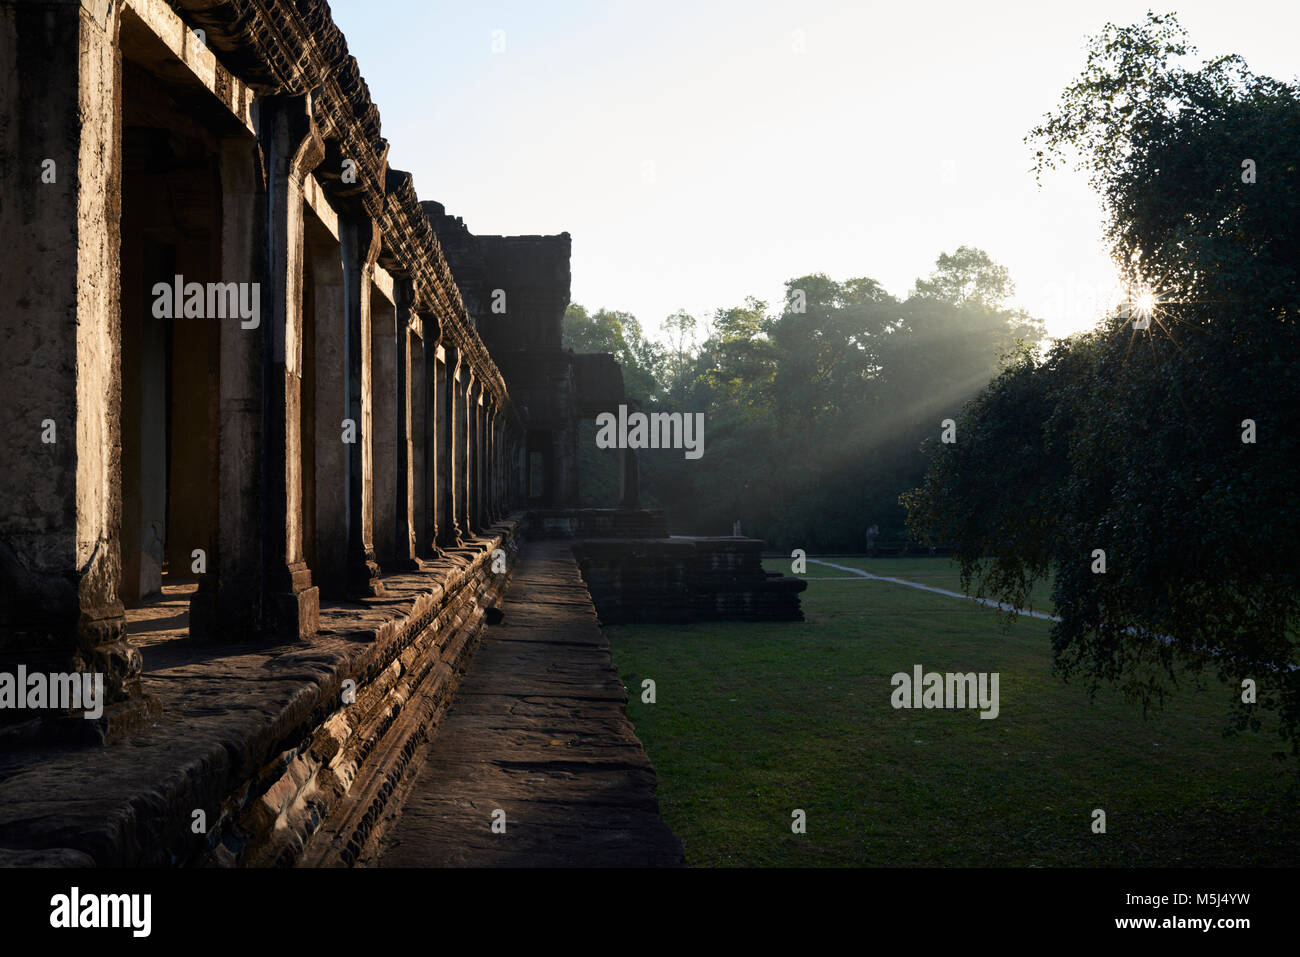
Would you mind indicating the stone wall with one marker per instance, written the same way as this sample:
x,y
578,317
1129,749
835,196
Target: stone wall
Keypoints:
x,y
516,288
580,523
234,144
682,579
260,741
338,463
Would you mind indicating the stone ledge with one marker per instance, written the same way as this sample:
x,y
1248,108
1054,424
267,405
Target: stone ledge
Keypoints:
x,y
540,731
254,736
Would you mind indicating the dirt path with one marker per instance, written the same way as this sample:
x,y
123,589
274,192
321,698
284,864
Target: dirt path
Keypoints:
x,y
537,731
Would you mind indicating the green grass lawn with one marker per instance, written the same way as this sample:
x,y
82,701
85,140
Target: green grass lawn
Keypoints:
x,y
755,720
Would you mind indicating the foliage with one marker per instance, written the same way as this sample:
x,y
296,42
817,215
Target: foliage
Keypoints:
x,y
619,333
1131,441
814,415
967,275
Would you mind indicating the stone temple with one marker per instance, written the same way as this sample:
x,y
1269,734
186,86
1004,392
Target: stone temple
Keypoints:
x,y
276,434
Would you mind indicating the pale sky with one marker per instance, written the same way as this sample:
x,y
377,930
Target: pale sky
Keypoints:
x,y
699,152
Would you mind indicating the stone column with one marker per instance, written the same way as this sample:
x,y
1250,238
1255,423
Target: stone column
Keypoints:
x,y
480,462
451,430
629,471
464,422
490,471
471,455
292,146
629,479
360,242
564,465
422,479
503,466
486,460
434,453
519,465
517,455
477,515
489,463
61,499
329,458
228,604
387,502
515,471
408,443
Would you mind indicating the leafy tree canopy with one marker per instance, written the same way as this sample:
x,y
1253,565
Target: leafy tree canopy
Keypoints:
x,y
967,276
1172,451
815,414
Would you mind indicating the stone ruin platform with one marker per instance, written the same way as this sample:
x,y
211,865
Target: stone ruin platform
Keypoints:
x,y
538,733
680,579
581,523
637,572
261,738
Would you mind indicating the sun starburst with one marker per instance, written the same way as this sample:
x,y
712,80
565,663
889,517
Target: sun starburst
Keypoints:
x,y
1144,304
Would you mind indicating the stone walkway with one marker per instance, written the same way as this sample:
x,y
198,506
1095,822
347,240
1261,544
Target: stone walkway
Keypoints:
x,y
537,730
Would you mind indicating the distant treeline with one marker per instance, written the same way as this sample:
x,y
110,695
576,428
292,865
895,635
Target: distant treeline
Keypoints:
x,y
816,415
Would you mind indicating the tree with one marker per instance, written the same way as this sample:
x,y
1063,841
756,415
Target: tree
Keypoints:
x,y
1198,167
617,333
1131,443
680,329
815,415
819,410
968,275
